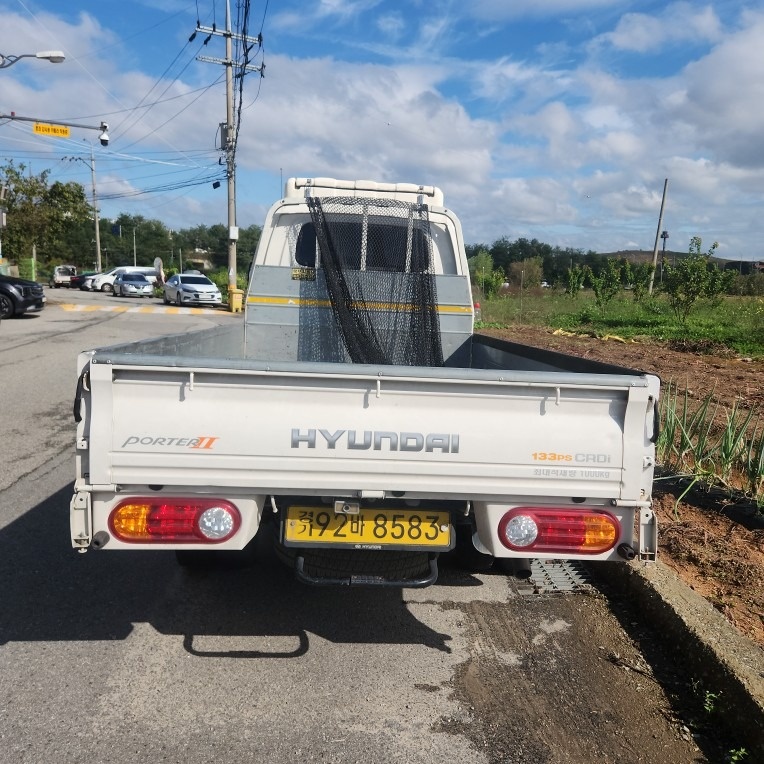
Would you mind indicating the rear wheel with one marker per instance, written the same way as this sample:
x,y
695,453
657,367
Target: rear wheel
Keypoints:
x,y
177,299
107,288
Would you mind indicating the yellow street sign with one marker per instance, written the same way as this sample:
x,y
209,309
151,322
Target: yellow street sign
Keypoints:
x,y
57,131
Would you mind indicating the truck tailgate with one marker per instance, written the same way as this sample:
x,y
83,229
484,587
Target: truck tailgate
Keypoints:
x,y
341,428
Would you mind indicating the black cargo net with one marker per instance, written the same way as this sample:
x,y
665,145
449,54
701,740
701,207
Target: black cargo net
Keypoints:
x,y
376,258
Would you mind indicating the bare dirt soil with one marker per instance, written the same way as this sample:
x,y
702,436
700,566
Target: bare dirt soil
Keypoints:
x,y
713,542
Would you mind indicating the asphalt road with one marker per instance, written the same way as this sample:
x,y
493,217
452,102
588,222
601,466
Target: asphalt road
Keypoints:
x,y
125,657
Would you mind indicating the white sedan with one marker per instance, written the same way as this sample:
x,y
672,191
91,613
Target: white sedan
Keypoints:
x,y
191,288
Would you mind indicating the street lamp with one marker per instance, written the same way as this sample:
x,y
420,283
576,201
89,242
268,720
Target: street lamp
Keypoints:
x,y
54,56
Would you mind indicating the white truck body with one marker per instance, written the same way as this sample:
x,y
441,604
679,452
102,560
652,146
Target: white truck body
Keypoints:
x,y
62,275
240,414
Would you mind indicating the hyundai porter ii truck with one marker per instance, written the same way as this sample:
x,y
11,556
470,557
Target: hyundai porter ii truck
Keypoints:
x,y
354,417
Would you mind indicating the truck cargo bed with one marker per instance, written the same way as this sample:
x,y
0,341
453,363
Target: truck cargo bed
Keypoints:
x,y
520,421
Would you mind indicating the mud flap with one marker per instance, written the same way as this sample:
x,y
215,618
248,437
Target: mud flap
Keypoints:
x,y
80,521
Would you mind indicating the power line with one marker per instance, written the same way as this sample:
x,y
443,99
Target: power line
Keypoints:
x,y
164,188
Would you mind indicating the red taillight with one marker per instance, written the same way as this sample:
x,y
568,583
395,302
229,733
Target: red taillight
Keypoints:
x,y
540,529
174,520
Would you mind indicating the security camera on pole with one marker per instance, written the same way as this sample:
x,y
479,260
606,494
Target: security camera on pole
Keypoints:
x,y
228,132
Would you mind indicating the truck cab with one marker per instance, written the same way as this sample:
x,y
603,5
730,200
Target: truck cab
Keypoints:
x,y
389,251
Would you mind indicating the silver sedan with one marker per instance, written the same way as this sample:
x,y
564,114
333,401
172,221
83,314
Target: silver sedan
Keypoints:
x,y
133,285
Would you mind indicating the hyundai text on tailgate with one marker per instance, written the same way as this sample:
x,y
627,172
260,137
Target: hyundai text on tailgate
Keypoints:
x,y
356,420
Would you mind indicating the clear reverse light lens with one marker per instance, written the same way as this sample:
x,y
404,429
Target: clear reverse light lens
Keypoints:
x,y
521,530
216,523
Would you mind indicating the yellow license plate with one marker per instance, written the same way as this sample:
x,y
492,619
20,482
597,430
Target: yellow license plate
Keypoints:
x,y
369,529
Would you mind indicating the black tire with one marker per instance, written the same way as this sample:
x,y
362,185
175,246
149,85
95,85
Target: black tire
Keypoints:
x,y
107,288
6,307
178,301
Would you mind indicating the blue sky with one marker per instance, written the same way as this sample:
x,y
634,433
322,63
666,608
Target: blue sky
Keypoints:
x,y
557,120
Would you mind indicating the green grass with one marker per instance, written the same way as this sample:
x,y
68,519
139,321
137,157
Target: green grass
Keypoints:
x,y
736,323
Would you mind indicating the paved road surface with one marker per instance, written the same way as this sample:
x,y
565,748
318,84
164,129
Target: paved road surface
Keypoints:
x,y
124,657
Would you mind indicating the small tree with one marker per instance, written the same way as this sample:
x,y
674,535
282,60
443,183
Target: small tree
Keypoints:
x,y
638,276
483,275
574,280
528,273
607,284
694,278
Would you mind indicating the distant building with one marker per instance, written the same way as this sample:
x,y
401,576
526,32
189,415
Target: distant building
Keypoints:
x,y
197,263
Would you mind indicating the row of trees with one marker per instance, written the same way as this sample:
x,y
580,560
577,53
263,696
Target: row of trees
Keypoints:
x,y
54,223
692,278
511,257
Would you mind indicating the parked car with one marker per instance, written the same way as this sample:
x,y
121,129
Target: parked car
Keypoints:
x,y
191,288
19,296
78,281
133,285
104,282
62,276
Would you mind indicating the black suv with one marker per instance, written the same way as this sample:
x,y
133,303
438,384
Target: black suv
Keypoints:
x,y
18,296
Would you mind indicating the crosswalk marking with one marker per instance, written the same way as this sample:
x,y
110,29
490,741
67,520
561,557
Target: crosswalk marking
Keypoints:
x,y
172,309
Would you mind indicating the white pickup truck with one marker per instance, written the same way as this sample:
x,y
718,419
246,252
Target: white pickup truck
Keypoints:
x,y
355,417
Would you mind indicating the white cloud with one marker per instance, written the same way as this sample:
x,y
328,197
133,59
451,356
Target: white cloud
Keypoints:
x,y
338,11
722,99
365,121
392,25
677,24
504,10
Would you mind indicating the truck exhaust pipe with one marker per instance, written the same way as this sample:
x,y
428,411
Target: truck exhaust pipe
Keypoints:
x,y
520,567
626,551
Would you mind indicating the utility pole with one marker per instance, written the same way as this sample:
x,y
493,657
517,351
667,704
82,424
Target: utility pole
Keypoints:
x,y
657,236
91,164
228,130
95,212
